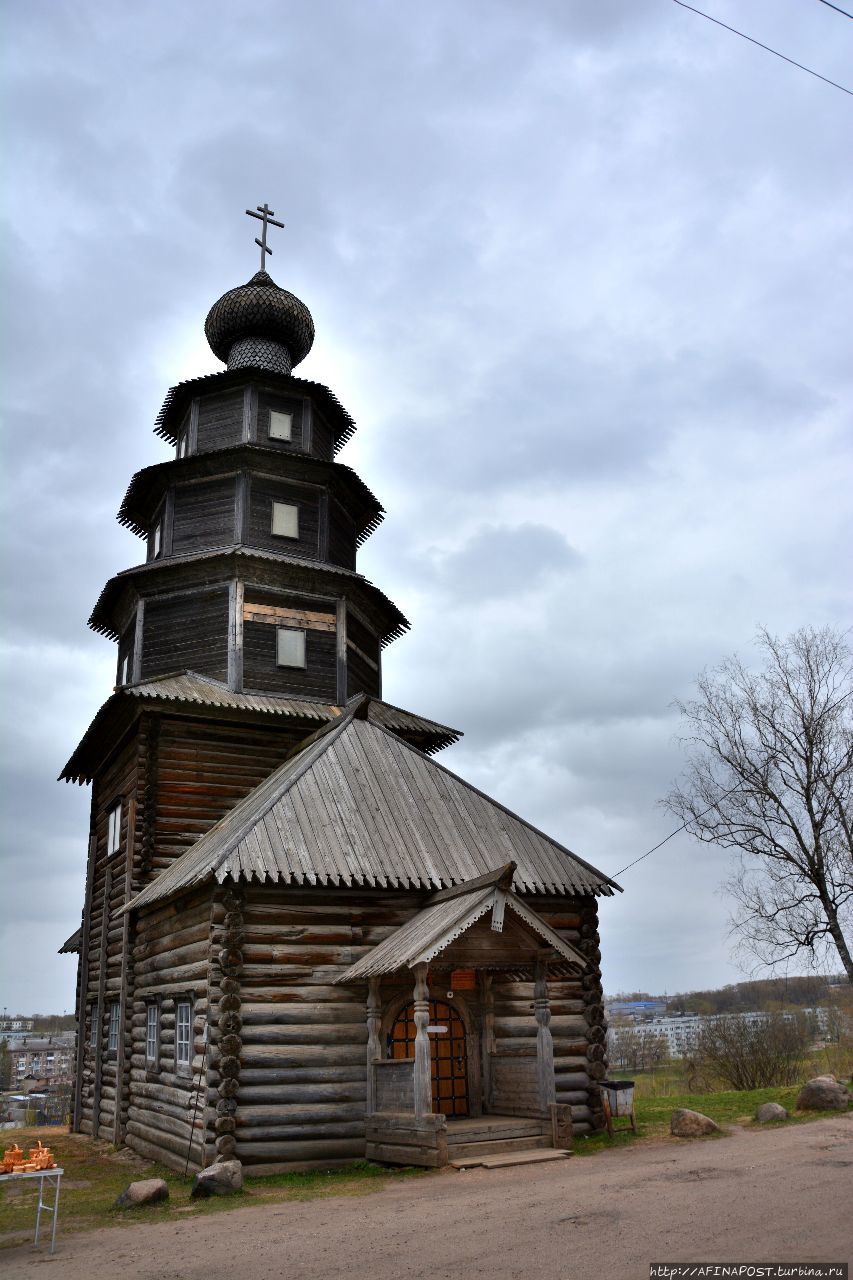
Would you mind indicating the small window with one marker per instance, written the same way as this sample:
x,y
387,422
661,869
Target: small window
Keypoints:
x,y
285,520
112,1042
156,539
183,1020
93,1026
281,425
124,670
152,1034
114,830
289,647
183,445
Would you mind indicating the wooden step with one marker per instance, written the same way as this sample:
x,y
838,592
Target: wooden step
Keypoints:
x,y
509,1158
473,1152
487,1130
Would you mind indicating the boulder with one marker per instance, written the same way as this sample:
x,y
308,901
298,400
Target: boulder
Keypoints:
x,y
769,1111
691,1124
823,1093
146,1191
220,1179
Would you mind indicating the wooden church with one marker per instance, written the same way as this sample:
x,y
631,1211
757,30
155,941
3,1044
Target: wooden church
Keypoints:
x,y
304,940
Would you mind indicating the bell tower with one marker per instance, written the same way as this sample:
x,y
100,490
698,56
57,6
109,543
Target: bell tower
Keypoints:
x,y
251,530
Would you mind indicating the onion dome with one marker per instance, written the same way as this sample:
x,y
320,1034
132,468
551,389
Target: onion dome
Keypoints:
x,y
261,326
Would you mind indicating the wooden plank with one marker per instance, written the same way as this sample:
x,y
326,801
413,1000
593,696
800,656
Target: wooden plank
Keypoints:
x,y
283,615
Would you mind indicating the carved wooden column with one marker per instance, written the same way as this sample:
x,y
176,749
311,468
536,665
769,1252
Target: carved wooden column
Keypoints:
x,y
544,1040
422,1070
374,1045
488,1036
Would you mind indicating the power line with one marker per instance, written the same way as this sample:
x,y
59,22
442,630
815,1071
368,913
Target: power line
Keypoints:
x,y
836,8
677,831
776,52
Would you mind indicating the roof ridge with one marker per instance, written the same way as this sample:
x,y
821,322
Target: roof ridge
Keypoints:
x,y
497,804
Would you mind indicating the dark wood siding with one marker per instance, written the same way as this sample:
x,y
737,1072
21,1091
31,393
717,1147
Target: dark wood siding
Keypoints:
x,y
270,400
204,515
341,536
263,493
322,441
361,678
220,420
188,632
363,658
260,673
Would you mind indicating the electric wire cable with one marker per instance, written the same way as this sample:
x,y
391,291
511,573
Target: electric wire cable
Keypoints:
x,y
752,40
836,8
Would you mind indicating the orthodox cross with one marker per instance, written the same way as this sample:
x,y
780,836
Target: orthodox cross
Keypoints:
x,y
264,215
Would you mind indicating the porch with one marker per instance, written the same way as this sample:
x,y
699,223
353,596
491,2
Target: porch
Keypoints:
x,y
439,1086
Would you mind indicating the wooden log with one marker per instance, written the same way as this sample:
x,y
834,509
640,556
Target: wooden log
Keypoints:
x,y
322,1149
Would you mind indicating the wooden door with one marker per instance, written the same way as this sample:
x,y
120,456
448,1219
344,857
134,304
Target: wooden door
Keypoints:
x,y
448,1054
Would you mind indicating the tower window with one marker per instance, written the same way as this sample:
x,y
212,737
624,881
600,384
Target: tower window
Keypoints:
x,y
156,539
114,830
289,647
281,425
124,669
285,520
183,1024
183,445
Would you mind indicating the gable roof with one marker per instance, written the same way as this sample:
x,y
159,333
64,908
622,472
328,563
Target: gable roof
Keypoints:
x,y
446,917
359,806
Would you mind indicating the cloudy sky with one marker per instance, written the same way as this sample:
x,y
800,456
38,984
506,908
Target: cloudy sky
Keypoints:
x,y
581,271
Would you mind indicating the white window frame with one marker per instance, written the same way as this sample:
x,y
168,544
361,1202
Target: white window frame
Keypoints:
x,y
124,670
183,1036
93,1026
114,830
293,666
157,540
112,1038
288,515
152,1034
280,426
183,444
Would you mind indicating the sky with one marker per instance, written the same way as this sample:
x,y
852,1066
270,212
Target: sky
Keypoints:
x,y
581,270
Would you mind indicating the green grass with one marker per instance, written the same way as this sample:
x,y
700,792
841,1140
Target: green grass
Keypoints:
x,y
726,1107
96,1173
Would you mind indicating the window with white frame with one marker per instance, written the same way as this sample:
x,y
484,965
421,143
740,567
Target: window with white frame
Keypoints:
x,y
183,445
93,1026
281,425
152,1034
114,830
156,539
183,1035
289,647
112,1042
285,520
124,669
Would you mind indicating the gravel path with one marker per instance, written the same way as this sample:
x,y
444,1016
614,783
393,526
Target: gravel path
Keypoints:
x,y
760,1195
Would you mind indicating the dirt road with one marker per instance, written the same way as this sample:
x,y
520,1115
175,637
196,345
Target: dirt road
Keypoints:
x,y
767,1195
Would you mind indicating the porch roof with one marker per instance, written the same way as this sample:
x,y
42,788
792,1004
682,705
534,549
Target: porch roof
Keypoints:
x,y
446,916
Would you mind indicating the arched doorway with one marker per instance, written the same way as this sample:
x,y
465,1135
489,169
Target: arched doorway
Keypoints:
x,y
448,1053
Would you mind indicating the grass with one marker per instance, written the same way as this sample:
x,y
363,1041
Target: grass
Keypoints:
x,y
727,1107
96,1173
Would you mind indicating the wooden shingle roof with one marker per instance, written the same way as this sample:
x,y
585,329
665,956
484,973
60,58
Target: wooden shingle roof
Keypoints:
x,y
449,915
359,806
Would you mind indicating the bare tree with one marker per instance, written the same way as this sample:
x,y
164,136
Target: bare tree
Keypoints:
x,y
770,774
754,1053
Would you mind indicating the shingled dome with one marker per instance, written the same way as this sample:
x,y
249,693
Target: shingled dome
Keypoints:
x,y
258,324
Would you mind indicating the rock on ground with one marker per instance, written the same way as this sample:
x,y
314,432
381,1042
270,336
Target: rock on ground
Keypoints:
x,y
220,1179
770,1111
691,1124
146,1191
823,1093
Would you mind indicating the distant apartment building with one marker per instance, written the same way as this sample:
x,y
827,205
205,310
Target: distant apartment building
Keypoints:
x,y
681,1031
42,1058
15,1026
